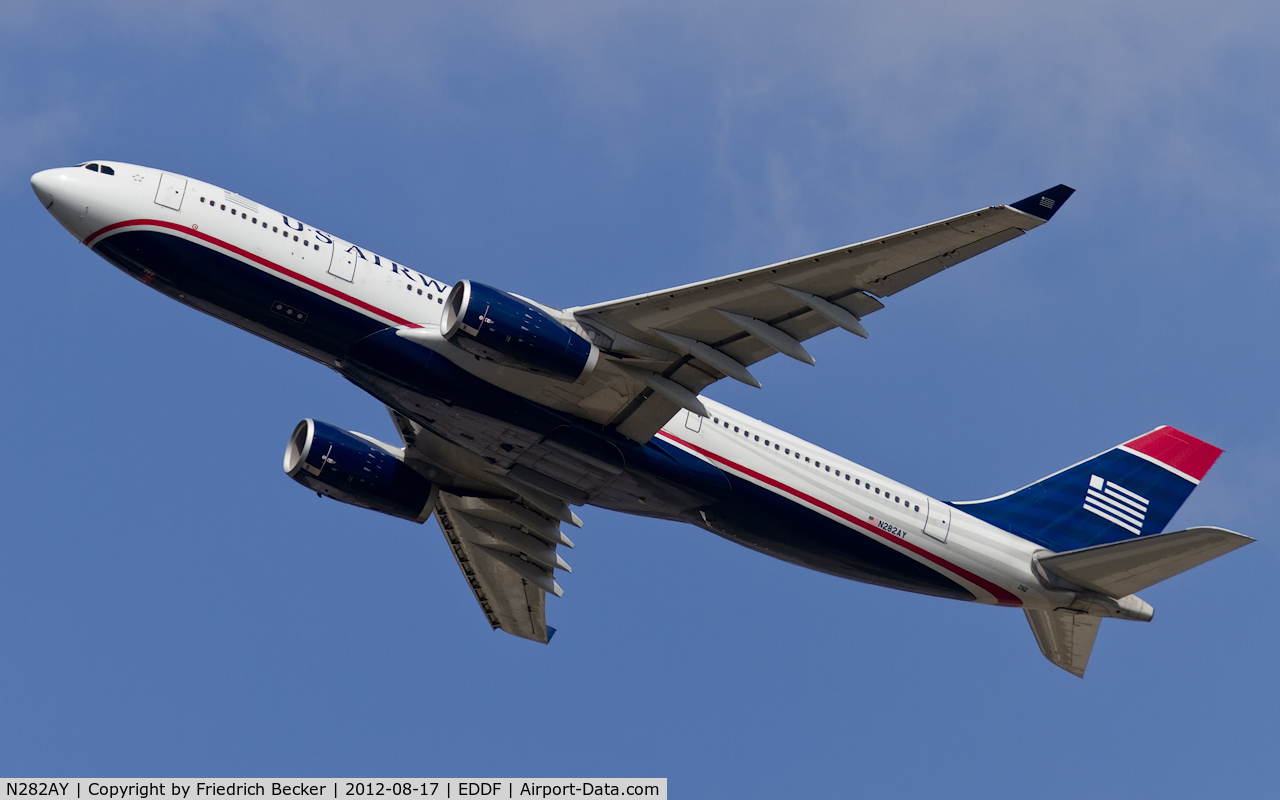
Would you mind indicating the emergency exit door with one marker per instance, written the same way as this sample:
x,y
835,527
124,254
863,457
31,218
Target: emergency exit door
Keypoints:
x,y
170,191
343,264
938,523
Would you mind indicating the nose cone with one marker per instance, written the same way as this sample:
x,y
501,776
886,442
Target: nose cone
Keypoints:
x,y
68,193
43,183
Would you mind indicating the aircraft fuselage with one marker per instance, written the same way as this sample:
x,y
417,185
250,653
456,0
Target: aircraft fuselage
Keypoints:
x,y
341,304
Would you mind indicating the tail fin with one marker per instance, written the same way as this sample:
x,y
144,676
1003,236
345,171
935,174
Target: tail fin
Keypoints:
x,y
1130,490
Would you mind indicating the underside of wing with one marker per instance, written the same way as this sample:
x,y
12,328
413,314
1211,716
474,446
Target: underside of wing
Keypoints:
x,y
509,570
504,534
670,345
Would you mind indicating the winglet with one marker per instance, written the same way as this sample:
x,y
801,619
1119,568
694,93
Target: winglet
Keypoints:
x,y
1045,204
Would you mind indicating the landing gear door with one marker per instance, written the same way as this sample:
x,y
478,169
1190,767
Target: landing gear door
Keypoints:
x,y
938,524
170,192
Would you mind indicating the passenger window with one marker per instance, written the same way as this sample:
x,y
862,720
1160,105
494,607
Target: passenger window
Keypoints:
x,y
716,420
788,451
828,469
274,229
735,428
430,296
419,291
877,491
243,215
222,207
107,170
757,438
777,447
305,243
917,508
254,220
806,459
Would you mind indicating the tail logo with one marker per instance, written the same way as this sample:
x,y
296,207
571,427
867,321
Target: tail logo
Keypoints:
x,y
1116,504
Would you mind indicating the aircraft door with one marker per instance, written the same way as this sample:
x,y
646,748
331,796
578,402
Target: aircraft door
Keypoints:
x,y
170,192
938,523
343,264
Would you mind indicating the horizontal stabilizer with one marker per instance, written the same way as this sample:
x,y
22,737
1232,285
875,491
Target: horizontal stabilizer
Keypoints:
x,y
1122,568
1065,637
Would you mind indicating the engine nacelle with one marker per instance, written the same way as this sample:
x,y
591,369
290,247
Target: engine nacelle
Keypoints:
x,y
506,330
357,470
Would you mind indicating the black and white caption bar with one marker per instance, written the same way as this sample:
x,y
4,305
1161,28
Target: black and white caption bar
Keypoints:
x,y
335,788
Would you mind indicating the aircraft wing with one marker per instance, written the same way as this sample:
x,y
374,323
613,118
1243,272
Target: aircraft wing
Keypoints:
x,y
672,344
503,534
509,570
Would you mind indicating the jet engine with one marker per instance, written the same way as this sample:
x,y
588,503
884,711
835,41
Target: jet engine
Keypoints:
x,y
513,332
356,469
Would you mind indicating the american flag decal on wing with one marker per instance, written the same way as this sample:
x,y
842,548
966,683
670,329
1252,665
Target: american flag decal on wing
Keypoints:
x,y
1116,504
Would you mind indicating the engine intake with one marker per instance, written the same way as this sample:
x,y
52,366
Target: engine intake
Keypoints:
x,y
507,330
355,469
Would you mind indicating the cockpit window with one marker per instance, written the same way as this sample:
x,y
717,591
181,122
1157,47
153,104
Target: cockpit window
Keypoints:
x,y
91,167
107,170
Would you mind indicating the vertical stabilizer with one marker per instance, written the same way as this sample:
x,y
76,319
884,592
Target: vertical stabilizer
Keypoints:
x,y
1131,490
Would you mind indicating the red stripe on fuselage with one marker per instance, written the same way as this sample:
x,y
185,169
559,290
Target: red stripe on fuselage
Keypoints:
x,y
1003,596
271,265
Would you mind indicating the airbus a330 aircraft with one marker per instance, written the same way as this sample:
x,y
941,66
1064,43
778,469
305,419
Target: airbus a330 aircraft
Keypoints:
x,y
512,411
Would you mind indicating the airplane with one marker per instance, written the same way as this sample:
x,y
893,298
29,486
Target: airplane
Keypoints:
x,y
512,412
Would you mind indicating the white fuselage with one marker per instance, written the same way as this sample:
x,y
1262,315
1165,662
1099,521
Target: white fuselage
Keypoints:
x,y
994,566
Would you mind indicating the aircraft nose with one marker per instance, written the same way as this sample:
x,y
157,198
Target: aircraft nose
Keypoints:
x,y
42,183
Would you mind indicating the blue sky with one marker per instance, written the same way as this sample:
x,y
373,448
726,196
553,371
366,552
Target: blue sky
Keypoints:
x,y
172,605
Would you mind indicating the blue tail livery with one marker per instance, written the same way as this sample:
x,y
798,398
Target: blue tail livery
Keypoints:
x,y
1130,490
